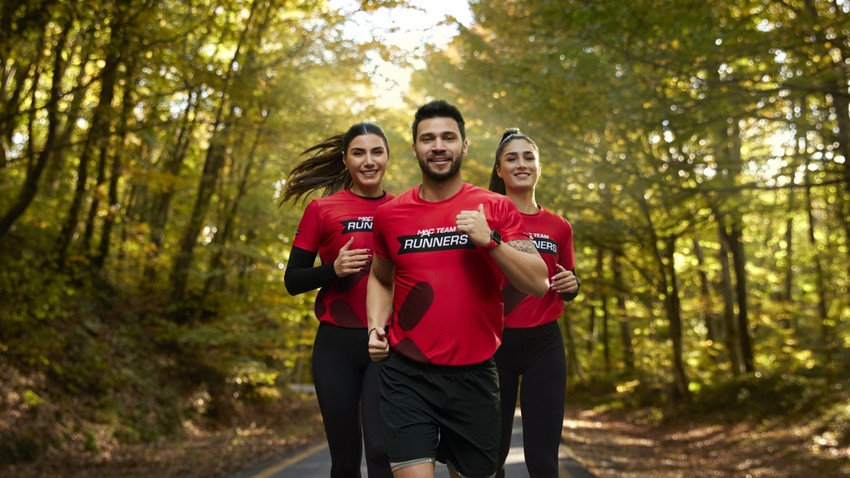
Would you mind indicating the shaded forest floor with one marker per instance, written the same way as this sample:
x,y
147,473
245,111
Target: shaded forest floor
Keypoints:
x,y
611,442
615,444
202,453
779,426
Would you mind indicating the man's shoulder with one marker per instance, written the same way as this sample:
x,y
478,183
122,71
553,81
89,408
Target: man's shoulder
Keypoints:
x,y
400,200
473,190
470,188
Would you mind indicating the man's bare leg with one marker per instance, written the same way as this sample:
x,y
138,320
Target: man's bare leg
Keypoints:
x,y
423,470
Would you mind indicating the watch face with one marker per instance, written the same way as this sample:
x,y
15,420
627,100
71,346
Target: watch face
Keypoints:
x,y
496,236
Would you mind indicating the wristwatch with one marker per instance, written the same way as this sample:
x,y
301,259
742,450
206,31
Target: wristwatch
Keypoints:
x,y
495,240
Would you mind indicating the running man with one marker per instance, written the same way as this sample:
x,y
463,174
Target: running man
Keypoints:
x,y
434,306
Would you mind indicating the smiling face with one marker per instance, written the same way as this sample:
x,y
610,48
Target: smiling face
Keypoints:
x,y
519,165
439,148
366,159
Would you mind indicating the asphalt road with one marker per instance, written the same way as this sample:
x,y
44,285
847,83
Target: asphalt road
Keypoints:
x,y
315,462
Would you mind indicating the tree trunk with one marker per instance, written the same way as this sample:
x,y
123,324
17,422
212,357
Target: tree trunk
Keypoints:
x,y
162,202
244,265
731,226
186,248
706,309
672,303
603,304
116,169
736,243
728,292
97,138
56,168
94,204
30,187
212,166
842,113
665,268
104,151
595,300
826,329
788,319
16,74
606,343
622,316
836,88
217,270
704,293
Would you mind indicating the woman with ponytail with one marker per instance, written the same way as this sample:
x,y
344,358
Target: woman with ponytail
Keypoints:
x,y
532,345
348,168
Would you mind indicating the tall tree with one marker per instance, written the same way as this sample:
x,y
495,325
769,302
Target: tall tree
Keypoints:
x,y
213,163
34,170
97,139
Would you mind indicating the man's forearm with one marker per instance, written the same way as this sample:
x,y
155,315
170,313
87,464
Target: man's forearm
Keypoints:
x,y
379,301
379,306
523,266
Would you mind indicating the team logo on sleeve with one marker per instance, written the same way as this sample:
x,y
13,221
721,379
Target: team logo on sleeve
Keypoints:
x,y
361,224
434,239
544,244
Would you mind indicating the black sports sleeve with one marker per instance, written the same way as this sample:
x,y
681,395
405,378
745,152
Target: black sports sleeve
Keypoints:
x,y
301,276
568,296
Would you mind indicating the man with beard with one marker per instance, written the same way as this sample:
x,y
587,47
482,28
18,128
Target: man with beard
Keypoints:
x,y
434,306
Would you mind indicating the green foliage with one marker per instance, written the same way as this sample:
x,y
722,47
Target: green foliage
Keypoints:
x,y
764,396
656,134
142,246
144,146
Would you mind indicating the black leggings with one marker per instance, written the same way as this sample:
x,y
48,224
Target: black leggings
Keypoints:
x,y
536,354
346,382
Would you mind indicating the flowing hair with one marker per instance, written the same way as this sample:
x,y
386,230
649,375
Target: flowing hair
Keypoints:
x,y
497,184
324,168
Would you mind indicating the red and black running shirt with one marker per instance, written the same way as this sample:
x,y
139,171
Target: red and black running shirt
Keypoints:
x,y
553,238
327,225
447,301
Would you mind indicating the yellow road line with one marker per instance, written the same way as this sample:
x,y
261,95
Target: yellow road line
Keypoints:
x,y
289,461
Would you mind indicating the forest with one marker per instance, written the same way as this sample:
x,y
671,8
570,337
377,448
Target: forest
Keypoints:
x,y
699,149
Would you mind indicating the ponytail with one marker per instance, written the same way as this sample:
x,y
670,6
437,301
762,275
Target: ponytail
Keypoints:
x,y
497,184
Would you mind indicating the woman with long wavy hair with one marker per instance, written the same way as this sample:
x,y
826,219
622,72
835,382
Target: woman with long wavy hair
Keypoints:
x,y
349,169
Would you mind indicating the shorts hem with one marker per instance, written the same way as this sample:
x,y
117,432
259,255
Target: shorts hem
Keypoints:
x,y
397,465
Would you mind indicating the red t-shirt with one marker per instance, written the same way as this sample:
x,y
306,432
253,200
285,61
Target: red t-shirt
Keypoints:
x,y
447,301
328,223
553,238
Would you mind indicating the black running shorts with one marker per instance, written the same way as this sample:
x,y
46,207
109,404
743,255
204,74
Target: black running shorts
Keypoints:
x,y
446,413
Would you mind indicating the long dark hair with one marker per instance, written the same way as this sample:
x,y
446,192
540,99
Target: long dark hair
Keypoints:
x,y
497,184
324,168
